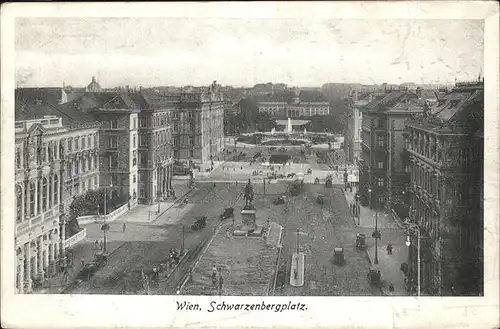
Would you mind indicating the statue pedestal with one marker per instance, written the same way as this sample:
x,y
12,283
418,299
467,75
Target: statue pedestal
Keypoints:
x,y
248,218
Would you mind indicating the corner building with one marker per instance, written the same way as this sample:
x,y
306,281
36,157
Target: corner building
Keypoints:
x,y
446,156
56,156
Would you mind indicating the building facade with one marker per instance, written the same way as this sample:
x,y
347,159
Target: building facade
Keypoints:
x,y
155,152
56,158
446,156
384,167
118,143
198,126
275,109
352,143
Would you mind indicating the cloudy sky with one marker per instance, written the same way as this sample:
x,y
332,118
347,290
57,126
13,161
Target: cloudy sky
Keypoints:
x,y
298,52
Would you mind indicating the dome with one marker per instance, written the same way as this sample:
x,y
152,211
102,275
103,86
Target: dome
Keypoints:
x,y
93,86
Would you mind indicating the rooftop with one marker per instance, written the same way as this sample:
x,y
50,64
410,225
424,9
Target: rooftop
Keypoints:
x,y
37,103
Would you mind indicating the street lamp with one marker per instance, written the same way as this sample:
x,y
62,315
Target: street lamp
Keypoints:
x,y
104,226
375,234
412,227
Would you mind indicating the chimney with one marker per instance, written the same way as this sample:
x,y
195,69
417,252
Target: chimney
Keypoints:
x,y
127,88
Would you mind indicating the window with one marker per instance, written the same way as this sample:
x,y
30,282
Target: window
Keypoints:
x,y
191,153
134,179
143,141
113,161
32,198
55,191
96,185
190,140
134,125
95,141
407,169
83,142
70,170
18,158
77,143
89,163
19,203
141,192
142,122
134,141
114,180
113,124
380,182
89,141
380,141
134,159
84,185
380,164
191,126
113,142
84,165
176,141
142,177
44,194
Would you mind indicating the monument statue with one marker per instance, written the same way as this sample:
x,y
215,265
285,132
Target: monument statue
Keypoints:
x,y
248,195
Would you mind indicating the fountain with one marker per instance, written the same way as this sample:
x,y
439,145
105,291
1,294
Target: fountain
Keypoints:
x,y
289,129
273,131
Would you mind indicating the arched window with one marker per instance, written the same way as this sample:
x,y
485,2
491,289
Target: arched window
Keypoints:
x,y
32,198
19,203
56,189
45,193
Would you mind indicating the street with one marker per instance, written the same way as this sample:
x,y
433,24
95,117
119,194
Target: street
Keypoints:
x,y
146,245
321,229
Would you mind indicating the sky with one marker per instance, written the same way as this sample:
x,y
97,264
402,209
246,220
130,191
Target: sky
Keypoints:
x,y
239,52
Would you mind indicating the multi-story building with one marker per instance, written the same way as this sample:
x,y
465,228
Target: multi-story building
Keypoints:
x,y
275,109
307,109
155,148
383,165
56,156
352,144
119,140
198,126
446,156
136,143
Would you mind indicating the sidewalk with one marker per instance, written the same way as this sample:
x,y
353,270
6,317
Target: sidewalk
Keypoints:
x,y
148,213
391,231
83,250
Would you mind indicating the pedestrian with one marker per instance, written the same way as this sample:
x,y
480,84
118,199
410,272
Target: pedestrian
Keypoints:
x,y
96,244
101,245
124,227
83,261
391,287
389,248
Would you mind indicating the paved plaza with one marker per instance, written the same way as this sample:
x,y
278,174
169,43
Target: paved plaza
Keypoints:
x,y
250,266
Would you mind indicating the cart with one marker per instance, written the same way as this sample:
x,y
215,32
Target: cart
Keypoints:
x,y
360,241
228,213
374,276
100,258
199,224
338,256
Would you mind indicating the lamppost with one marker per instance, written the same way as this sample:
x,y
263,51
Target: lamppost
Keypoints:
x,y
358,208
105,225
376,233
412,229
